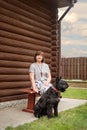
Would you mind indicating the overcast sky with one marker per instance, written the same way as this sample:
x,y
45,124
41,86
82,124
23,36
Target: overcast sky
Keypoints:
x,y
74,31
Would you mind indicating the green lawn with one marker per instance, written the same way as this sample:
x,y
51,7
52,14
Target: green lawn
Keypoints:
x,y
77,93
74,119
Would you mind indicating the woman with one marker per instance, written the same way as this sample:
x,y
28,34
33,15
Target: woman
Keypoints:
x,y
39,73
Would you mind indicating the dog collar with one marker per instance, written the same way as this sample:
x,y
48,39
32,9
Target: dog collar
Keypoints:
x,y
56,90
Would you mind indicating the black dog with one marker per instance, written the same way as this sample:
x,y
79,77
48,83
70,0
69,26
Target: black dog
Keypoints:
x,y
50,99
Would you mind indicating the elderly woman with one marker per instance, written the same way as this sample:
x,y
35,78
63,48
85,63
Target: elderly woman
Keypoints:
x,y
39,74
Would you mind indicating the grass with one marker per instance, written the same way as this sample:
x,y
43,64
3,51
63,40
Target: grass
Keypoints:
x,y
74,119
77,93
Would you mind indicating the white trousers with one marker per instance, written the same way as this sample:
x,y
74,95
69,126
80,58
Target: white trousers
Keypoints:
x,y
41,87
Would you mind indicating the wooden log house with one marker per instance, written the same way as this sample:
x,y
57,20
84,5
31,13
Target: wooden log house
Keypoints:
x,y
25,27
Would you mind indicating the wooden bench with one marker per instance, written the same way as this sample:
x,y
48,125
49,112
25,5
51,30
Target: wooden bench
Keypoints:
x,y
31,100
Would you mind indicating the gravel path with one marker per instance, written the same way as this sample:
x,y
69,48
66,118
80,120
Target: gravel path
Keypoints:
x,y
12,115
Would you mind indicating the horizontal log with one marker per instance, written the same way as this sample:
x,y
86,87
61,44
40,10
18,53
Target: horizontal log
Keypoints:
x,y
48,61
53,79
12,85
53,64
53,31
54,48
53,53
54,20
54,26
17,64
53,69
23,25
11,71
24,32
53,59
25,41
15,57
54,74
54,37
10,78
10,92
53,42
13,97
27,6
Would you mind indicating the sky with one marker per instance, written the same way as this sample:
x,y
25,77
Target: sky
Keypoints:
x,y
74,30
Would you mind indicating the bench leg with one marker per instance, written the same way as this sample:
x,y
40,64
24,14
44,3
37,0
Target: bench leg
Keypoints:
x,y
31,103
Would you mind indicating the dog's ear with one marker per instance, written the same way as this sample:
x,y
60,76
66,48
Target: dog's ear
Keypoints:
x,y
58,78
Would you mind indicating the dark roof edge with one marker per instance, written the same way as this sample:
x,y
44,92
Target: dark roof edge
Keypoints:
x,y
65,3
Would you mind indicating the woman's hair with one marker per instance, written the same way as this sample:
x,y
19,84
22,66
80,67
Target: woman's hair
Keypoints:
x,y
39,53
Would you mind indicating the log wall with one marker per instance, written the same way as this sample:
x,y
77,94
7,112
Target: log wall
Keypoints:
x,y
25,27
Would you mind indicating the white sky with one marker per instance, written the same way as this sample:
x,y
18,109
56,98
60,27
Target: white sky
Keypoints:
x,y
74,31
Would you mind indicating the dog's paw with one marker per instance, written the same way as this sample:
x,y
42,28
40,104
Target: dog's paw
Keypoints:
x,y
56,115
37,116
50,116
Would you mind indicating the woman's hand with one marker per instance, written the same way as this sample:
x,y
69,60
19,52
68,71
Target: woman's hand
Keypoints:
x,y
35,89
48,80
46,83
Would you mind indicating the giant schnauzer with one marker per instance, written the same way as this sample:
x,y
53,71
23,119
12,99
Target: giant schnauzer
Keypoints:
x,y
49,101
